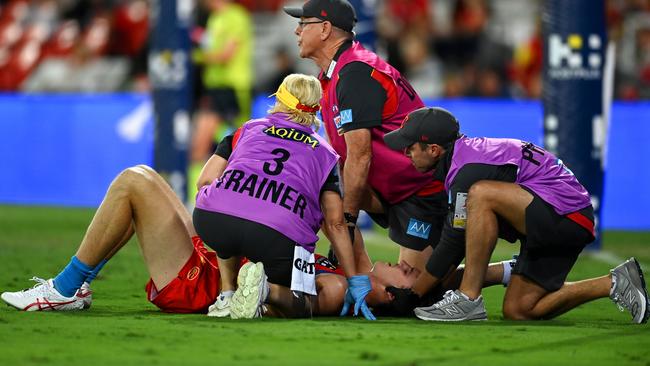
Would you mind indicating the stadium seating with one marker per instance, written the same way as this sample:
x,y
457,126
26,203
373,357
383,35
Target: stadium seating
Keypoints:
x,y
32,32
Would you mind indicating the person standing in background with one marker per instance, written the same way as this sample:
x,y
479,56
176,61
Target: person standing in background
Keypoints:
x,y
226,55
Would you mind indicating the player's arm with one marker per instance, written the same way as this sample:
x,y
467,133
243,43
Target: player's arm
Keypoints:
x,y
361,101
331,292
218,162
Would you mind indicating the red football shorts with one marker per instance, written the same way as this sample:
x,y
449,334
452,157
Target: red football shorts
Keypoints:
x,y
194,289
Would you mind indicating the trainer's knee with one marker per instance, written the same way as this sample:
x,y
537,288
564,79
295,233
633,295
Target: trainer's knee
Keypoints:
x,y
480,194
515,311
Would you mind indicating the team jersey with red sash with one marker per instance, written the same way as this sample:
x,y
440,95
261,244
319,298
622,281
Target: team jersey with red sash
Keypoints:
x,y
325,266
391,173
274,177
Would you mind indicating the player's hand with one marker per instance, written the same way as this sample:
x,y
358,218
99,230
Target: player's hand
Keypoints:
x,y
358,288
405,300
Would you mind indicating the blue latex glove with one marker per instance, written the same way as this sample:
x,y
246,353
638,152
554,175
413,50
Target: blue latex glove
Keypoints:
x,y
358,289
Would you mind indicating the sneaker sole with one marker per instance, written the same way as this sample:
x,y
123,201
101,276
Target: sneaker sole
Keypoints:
x,y
644,292
54,306
8,302
245,301
219,314
480,317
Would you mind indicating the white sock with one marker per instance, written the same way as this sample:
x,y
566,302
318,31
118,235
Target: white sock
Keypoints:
x,y
507,271
226,294
467,297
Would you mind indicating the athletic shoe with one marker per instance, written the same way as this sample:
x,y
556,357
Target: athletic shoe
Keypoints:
x,y
629,291
252,290
85,294
42,297
453,307
221,307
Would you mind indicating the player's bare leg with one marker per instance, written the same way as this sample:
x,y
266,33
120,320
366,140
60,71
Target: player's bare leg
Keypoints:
x,y
139,199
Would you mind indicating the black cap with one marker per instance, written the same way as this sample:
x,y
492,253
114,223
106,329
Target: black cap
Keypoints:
x,y
430,125
338,12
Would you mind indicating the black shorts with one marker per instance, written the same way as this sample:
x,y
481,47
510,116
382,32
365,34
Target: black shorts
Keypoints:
x,y
223,101
232,236
552,244
414,222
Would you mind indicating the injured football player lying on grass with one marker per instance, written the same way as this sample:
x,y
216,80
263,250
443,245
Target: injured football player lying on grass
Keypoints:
x,y
184,274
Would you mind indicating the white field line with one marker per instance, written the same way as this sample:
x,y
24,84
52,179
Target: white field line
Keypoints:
x,y
604,256
610,258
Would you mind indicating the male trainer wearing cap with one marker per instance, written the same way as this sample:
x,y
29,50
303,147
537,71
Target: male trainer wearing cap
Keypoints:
x,y
512,189
364,98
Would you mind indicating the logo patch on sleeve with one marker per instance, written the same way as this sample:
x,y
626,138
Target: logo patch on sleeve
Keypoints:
x,y
418,228
337,122
346,116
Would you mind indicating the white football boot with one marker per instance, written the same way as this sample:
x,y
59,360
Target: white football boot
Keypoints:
x,y
85,294
42,297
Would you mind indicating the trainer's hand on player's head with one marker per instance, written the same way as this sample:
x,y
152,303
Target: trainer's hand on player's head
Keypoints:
x,y
358,288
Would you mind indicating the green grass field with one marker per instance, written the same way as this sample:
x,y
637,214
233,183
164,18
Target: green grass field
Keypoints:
x,y
123,328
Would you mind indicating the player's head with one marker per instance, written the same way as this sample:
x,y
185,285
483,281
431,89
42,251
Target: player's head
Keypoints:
x,y
425,135
322,21
384,275
299,96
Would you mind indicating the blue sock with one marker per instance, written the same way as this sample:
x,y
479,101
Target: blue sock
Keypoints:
x,y
72,277
96,270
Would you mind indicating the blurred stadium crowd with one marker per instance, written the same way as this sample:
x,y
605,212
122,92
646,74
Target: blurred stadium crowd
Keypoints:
x,y
447,48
